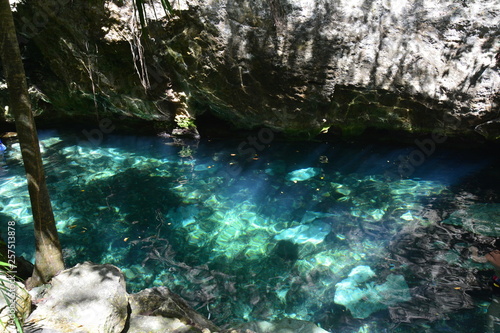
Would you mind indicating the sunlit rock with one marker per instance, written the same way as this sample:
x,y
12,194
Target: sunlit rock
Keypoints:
x,y
407,216
50,141
343,190
335,261
303,174
86,298
313,233
362,298
157,324
376,214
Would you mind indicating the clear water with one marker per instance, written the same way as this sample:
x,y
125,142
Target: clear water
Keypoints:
x,y
251,237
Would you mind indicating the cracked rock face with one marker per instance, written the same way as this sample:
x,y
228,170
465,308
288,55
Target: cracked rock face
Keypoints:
x,y
297,66
303,66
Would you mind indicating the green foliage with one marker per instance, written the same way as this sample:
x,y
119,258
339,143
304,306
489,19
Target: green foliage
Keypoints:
x,y
5,290
184,121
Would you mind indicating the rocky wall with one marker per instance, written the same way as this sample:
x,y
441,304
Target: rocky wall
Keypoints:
x,y
297,66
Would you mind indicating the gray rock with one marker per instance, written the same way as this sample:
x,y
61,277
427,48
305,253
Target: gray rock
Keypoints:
x,y
283,326
86,298
161,302
415,66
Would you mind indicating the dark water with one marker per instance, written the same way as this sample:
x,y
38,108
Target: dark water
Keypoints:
x,y
262,229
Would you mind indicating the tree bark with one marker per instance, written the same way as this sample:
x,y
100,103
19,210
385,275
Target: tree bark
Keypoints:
x,y
48,257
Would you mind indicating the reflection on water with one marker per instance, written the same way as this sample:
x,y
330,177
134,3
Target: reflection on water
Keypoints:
x,y
327,233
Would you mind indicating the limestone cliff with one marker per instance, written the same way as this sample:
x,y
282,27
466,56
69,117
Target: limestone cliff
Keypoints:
x,y
298,66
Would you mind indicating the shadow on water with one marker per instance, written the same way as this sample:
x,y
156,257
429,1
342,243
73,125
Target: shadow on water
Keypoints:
x,y
107,211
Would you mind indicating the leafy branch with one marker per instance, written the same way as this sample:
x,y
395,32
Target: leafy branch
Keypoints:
x,y
6,290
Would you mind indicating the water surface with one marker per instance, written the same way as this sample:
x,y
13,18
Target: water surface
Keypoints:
x,y
275,231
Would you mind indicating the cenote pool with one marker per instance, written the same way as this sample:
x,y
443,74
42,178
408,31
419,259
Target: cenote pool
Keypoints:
x,y
348,236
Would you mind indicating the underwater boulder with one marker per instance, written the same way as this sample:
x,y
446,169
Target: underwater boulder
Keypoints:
x,y
362,299
302,174
313,233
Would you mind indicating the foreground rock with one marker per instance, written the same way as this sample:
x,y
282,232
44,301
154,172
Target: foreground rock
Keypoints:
x,y
91,298
86,298
362,298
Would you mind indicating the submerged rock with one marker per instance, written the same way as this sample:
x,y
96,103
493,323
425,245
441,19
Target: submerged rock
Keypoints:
x,y
303,174
363,300
91,298
313,233
160,302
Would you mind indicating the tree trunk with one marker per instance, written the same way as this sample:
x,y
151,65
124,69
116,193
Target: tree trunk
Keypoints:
x,y
48,258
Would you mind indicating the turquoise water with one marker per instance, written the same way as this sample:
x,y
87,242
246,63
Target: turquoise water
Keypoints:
x,y
344,235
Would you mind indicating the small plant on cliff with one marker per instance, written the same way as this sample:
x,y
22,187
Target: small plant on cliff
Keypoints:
x,y
184,121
